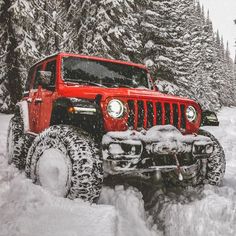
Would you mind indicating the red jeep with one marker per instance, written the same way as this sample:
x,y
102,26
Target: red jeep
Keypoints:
x,y
84,118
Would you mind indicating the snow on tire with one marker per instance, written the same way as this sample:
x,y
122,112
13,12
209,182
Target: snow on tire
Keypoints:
x,y
18,143
64,160
216,163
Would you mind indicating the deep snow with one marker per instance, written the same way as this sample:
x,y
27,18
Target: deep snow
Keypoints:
x,y
28,210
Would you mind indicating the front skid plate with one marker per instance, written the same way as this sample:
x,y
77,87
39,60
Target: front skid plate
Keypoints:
x,y
110,168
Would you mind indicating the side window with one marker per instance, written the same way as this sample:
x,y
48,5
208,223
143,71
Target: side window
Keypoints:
x,y
28,81
51,66
36,79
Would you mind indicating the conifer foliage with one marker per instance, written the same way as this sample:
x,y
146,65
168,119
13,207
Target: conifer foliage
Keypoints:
x,y
174,38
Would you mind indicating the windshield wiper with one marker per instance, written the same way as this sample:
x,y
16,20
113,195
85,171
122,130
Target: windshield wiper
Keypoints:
x,y
85,82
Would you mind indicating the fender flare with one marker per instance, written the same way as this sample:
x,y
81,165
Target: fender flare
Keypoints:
x,y
63,103
22,108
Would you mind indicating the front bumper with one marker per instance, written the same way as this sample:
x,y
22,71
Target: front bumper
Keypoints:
x,y
161,148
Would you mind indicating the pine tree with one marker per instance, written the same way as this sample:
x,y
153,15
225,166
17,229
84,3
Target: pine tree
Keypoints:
x,y
19,48
111,29
234,84
229,78
173,37
158,44
4,94
74,17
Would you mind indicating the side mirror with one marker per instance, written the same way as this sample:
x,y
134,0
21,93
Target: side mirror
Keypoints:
x,y
45,78
209,118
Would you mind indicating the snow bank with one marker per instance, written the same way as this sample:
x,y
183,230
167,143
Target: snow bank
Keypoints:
x,y
132,218
212,215
210,211
27,209
226,134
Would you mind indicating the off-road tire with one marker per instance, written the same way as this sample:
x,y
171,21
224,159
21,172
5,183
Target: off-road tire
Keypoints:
x,y
216,163
18,143
85,175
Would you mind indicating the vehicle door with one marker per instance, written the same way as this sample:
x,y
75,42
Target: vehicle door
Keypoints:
x,y
48,95
33,102
44,97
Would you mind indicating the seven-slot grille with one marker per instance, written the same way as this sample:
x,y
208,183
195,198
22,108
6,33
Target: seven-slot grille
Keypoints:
x,y
145,114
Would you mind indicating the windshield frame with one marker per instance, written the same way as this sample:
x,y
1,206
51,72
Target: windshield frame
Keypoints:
x,y
149,82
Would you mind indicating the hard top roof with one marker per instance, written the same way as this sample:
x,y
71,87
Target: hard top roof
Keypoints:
x,y
65,54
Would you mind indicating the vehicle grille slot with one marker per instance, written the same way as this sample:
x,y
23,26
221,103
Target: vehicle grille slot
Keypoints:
x,y
150,114
159,113
140,114
183,119
131,117
175,115
167,113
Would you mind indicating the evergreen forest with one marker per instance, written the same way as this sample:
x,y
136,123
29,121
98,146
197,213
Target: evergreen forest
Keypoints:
x,y
174,38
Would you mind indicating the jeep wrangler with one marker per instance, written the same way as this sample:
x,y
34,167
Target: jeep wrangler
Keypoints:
x,y
83,119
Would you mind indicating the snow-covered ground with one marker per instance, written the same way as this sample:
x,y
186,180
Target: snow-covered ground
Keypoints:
x,y
28,210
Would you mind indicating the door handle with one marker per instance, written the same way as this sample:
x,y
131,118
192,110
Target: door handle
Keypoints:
x,y
38,100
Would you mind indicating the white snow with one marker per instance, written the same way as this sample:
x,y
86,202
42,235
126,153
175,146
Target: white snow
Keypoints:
x,y
53,171
167,87
26,209
149,62
25,114
130,211
214,213
158,139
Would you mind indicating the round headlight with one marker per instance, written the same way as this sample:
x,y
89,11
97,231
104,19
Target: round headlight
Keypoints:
x,y
115,108
191,113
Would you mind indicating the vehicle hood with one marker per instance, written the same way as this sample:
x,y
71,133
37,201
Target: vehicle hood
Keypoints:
x,y
90,92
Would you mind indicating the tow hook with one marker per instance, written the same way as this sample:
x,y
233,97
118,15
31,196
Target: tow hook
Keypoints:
x,y
180,176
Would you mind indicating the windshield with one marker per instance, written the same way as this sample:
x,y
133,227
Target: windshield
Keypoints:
x,y
103,74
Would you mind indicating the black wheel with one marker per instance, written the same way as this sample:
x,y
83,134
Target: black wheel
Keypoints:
x,y
64,160
18,143
216,163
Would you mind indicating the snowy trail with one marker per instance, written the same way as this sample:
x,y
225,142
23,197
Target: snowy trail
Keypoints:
x,y
213,211
28,210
